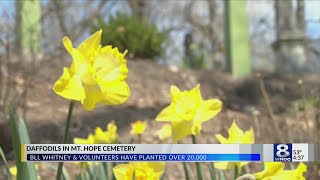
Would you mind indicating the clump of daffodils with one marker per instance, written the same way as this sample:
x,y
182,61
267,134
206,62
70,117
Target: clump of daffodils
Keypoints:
x,y
139,170
110,136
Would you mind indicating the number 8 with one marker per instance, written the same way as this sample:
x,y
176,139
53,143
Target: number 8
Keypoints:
x,y
282,150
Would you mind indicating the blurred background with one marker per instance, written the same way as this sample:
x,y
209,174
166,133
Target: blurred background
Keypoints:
x,y
260,57
179,24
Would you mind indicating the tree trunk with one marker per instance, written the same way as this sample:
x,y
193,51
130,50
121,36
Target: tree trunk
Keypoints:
x,y
28,27
289,47
138,8
238,59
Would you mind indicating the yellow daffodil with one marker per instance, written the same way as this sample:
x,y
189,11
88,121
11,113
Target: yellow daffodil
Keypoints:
x,y
140,170
106,137
236,136
138,127
89,140
188,111
14,171
275,171
97,74
165,132
123,171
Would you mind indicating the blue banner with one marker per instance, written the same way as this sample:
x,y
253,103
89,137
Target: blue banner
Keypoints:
x,y
143,157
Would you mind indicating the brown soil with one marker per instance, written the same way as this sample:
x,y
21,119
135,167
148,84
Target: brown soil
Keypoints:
x,y
150,84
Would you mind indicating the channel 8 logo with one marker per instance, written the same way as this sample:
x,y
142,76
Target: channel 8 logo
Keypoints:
x,y
282,152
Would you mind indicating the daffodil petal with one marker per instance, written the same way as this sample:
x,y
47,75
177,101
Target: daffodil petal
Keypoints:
x,y
123,172
270,169
196,93
67,44
69,87
165,132
13,171
181,129
248,137
89,140
112,127
168,114
158,167
93,42
222,139
174,91
291,174
99,137
208,110
302,168
235,134
93,96
79,62
224,165
138,127
114,92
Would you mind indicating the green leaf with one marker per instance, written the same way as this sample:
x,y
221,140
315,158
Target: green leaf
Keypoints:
x,y
198,164
5,163
235,172
222,175
91,172
65,174
110,166
21,168
102,171
212,171
186,171
64,171
24,139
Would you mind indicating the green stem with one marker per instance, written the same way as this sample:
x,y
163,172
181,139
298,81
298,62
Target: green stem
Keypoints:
x,y
110,169
185,168
105,166
65,137
212,171
186,172
198,164
235,172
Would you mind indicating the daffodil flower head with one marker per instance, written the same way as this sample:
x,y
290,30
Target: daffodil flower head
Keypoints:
x,y
97,74
138,127
188,111
236,136
139,170
106,137
165,132
275,171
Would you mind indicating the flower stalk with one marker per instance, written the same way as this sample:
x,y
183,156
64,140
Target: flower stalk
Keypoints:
x,y
198,164
65,137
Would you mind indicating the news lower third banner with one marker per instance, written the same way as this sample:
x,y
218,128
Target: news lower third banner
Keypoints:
x,y
170,152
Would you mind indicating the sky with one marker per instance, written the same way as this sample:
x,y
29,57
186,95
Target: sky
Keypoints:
x,y
313,17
